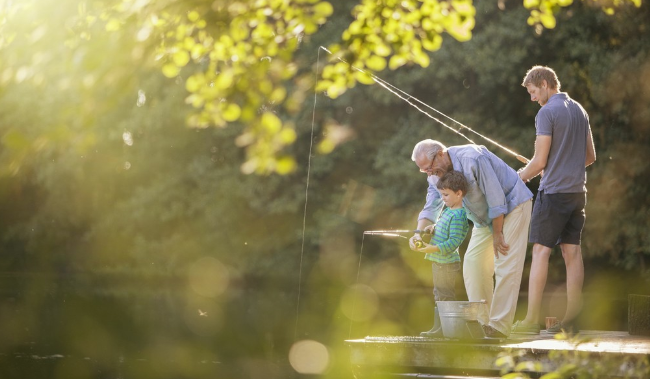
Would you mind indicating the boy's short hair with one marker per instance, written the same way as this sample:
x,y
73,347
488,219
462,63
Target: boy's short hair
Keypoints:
x,y
453,180
537,74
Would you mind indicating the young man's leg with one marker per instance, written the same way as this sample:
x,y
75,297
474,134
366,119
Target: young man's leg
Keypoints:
x,y
575,275
537,282
478,269
549,218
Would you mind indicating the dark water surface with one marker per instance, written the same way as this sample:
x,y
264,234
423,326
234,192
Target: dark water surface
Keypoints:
x,y
60,326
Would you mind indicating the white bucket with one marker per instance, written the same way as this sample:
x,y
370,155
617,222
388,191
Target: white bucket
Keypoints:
x,y
454,316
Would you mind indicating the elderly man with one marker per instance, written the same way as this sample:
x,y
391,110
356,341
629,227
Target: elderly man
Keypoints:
x,y
499,205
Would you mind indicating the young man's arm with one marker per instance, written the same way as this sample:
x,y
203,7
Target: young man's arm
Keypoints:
x,y
538,163
591,150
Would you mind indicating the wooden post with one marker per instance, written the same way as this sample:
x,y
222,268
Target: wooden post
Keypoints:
x,y
638,315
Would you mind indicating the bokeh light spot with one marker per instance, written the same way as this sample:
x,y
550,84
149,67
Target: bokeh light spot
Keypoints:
x,y
359,302
208,277
127,137
309,357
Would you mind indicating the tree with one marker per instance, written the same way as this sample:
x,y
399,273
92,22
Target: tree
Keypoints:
x,y
238,59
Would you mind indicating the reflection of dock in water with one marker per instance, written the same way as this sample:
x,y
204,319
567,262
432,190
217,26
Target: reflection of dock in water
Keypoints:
x,y
419,357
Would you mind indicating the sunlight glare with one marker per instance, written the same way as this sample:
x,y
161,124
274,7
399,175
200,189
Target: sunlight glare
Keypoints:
x,y
127,137
359,302
142,98
309,357
208,277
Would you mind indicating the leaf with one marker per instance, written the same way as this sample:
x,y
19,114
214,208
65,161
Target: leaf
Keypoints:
x,y
224,80
231,112
326,146
285,165
382,50
548,20
396,61
287,136
181,58
323,9
193,16
506,361
552,375
323,85
528,4
433,43
193,84
376,63
170,70
278,95
271,122
421,58
363,77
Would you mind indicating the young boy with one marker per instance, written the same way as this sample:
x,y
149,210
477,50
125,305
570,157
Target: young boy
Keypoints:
x,y
449,233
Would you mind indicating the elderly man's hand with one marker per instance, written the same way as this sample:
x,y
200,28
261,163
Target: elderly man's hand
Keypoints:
x,y
500,245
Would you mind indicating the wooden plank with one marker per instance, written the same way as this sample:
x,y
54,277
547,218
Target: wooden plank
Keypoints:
x,y
405,354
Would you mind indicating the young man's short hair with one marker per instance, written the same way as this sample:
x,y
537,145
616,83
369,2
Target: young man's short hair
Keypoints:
x,y
537,74
453,180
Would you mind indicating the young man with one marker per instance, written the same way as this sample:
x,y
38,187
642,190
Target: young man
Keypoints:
x,y
498,203
448,233
563,148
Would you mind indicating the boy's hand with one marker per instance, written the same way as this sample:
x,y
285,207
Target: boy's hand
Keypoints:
x,y
413,240
428,248
430,228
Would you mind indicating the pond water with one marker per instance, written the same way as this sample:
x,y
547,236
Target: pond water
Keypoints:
x,y
146,332
59,327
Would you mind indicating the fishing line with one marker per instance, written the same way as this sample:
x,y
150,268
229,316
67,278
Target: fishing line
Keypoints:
x,y
385,233
394,90
304,216
356,286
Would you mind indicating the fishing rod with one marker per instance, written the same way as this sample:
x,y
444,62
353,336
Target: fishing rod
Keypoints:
x,y
392,89
399,233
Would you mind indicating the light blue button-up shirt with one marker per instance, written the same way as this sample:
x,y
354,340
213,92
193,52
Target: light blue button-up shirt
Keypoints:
x,y
494,187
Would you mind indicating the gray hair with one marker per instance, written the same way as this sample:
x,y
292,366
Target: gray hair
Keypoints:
x,y
427,147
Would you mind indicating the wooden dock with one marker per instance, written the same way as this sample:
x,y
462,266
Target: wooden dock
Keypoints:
x,y
612,353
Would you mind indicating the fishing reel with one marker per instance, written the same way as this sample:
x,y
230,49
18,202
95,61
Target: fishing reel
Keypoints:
x,y
425,234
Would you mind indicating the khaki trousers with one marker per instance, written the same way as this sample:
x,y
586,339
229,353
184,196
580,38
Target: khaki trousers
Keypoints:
x,y
495,280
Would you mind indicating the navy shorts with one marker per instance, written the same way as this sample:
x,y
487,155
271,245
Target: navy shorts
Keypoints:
x,y
558,218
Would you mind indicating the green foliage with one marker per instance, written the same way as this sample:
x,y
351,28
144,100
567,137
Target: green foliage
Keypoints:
x,y
572,363
238,59
542,12
393,33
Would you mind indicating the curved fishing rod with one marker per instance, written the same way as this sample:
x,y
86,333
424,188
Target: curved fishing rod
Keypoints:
x,y
394,90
